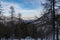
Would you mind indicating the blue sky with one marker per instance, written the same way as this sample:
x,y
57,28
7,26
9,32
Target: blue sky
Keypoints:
x,y
28,8
27,4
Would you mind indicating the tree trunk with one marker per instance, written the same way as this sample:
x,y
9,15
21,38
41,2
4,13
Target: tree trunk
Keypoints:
x,y
6,39
19,38
0,38
41,38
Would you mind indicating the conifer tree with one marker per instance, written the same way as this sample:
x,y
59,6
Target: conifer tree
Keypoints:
x,y
12,13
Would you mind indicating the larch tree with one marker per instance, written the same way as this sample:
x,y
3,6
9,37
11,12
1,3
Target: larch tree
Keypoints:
x,y
50,6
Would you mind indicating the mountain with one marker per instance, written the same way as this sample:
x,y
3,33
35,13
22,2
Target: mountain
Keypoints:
x,y
26,21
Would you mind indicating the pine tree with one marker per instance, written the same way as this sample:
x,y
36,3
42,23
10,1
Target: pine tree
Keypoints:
x,y
12,13
12,28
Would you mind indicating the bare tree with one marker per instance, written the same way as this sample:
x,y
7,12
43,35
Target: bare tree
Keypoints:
x,y
50,7
1,10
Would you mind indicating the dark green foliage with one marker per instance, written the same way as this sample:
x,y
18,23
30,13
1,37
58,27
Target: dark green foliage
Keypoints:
x,y
34,31
21,30
4,31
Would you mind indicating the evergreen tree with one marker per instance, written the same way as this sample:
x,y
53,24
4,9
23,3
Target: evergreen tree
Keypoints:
x,y
12,13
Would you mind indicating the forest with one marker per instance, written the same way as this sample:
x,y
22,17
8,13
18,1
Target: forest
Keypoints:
x,y
46,26
15,26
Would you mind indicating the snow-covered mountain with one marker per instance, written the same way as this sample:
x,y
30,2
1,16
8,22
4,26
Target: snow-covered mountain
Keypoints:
x,y
26,21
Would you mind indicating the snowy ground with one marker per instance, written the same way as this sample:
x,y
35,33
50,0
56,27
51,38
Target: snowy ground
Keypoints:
x,y
27,38
18,39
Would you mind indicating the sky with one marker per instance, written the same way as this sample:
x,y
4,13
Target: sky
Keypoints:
x,y
27,8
